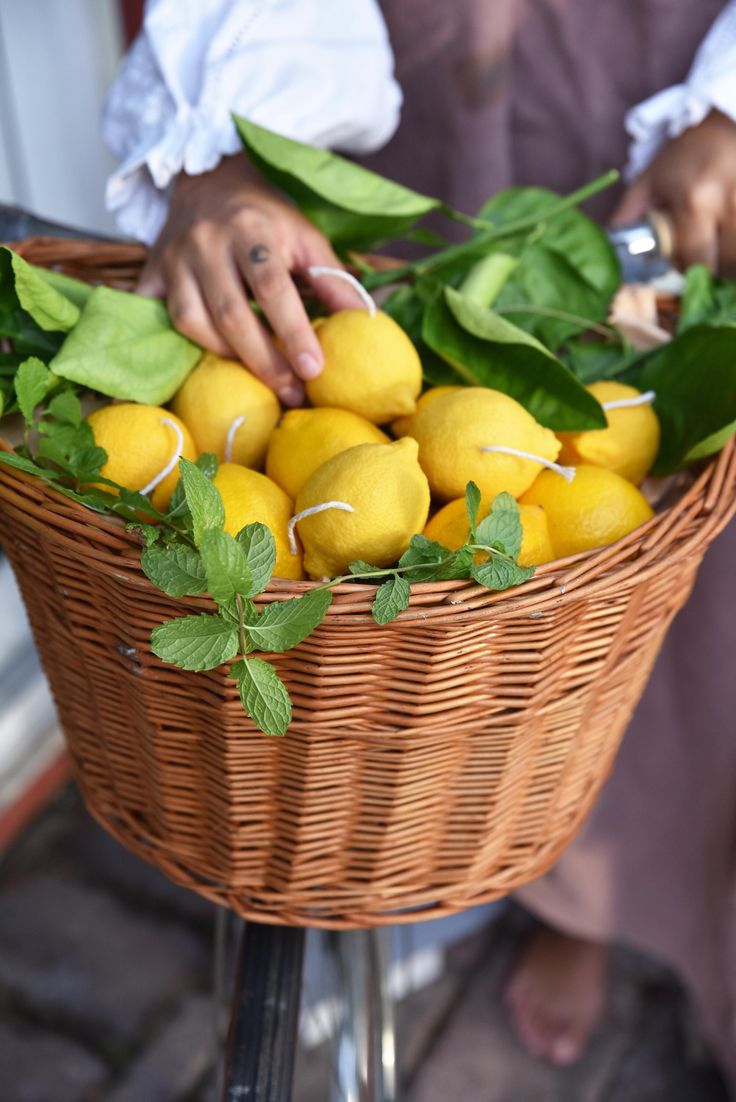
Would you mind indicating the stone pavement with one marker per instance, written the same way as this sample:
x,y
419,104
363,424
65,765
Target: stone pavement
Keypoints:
x,y
105,996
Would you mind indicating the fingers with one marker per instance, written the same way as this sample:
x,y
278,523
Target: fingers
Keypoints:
x,y
151,282
224,293
635,203
269,278
696,223
190,314
336,294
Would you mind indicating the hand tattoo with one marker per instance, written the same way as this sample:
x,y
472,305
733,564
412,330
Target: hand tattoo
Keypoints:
x,y
259,254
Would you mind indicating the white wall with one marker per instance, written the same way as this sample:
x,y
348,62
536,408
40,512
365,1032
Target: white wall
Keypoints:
x,y
57,58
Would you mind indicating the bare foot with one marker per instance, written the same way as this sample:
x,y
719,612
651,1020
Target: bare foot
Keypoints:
x,y
557,993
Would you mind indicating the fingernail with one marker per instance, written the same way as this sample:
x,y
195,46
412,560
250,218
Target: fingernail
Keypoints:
x,y
308,365
291,395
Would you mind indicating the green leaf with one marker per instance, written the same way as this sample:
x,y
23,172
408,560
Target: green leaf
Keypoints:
x,y
48,307
260,553
698,301
502,526
489,351
560,301
427,559
125,346
351,205
485,280
694,378
571,234
20,463
391,598
359,566
75,290
500,573
263,695
711,444
177,570
195,642
472,505
225,565
406,306
66,407
202,498
149,533
283,624
32,383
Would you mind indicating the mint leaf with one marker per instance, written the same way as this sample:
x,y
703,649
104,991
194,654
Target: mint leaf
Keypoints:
x,y
391,598
426,557
502,526
195,642
132,499
177,570
12,459
260,553
149,533
500,573
208,464
359,566
225,565
283,624
65,407
263,695
202,498
472,505
32,382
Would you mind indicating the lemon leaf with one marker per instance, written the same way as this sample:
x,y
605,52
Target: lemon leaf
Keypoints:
x,y
350,204
225,565
391,598
283,624
195,642
488,350
263,695
176,570
260,553
125,346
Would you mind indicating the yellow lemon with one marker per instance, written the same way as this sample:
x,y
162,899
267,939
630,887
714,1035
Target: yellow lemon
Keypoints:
x,y
376,498
630,443
371,366
453,431
143,445
449,526
595,509
249,497
536,545
228,410
402,425
307,438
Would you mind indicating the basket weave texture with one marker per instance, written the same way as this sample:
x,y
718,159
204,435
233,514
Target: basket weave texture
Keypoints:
x,y
432,764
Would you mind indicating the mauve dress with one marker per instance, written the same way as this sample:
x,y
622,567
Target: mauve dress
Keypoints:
x,y
507,92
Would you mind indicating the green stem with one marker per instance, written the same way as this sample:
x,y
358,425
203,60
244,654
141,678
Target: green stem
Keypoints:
x,y
242,641
606,331
487,236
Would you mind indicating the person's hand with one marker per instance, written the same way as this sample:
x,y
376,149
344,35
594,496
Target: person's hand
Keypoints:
x,y
226,232
693,178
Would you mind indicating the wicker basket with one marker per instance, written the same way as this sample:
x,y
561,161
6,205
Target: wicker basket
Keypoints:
x,y
432,764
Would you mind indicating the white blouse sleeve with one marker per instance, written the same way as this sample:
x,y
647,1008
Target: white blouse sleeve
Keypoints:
x,y
319,71
711,83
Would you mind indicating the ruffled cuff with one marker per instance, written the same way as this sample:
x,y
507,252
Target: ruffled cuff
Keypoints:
x,y
311,70
711,84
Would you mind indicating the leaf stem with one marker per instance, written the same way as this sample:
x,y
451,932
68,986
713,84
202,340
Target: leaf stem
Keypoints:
x,y
487,236
242,641
606,331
